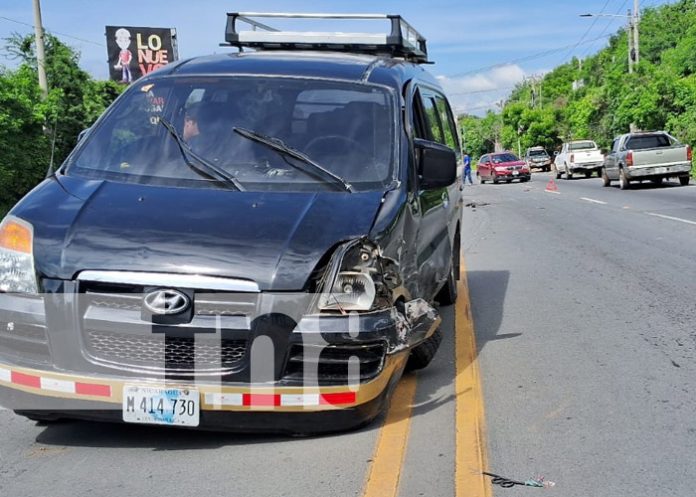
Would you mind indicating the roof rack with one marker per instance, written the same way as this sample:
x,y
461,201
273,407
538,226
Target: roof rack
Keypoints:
x,y
402,40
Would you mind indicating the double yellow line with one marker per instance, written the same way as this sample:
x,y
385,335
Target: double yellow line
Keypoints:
x,y
470,457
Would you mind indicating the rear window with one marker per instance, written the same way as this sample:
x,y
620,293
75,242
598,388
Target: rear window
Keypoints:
x,y
587,145
537,153
649,141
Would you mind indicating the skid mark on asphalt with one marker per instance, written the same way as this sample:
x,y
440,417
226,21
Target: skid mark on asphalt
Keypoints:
x,y
471,457
388,459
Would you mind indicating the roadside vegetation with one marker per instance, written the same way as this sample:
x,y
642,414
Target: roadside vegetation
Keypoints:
x,y
29,124
659,95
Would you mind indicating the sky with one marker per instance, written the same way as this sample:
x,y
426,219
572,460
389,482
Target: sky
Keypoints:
x,y
481,49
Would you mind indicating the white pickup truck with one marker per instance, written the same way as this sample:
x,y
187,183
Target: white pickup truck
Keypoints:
x,y
581,156
650,156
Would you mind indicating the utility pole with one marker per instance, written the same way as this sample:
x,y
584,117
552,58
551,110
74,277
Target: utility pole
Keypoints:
x,y
40,51
636,22
630,42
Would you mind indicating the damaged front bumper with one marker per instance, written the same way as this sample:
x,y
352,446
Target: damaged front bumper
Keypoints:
x,y
322,372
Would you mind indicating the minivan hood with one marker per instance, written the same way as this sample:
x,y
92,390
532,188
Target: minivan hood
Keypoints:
x,y
273,238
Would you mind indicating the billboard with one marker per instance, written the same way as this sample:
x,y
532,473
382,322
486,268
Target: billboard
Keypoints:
x,y
134,52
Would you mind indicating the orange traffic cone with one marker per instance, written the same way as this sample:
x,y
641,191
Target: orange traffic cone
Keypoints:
x,y
551,186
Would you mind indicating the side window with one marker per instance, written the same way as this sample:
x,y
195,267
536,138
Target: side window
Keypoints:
x,y
483,159
615,146
449,127
419,126
432,118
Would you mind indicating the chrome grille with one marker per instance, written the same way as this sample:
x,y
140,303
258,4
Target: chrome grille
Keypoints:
x,y
204,305
172,353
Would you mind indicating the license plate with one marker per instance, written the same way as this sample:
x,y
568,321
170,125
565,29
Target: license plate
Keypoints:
x,y
515,173
161,406
661,170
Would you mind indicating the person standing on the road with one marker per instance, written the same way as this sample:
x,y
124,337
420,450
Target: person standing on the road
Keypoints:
x,y
467,169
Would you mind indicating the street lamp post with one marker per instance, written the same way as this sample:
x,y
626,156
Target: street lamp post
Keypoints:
x,y
633,33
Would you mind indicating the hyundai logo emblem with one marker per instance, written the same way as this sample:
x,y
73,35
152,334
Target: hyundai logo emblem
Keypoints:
x,y
166,302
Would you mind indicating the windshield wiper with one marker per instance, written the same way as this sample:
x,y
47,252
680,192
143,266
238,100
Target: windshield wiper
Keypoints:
x,y
279,146
208,169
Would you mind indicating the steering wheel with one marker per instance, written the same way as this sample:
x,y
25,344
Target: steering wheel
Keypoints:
x,y
349,144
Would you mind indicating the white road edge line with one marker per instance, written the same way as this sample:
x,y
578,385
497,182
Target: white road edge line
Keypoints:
x,y
671,218
593,201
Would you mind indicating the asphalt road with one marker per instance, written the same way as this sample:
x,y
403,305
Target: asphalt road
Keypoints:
x,y
583,312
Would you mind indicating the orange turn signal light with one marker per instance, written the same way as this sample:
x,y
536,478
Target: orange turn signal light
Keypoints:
x,y
16,235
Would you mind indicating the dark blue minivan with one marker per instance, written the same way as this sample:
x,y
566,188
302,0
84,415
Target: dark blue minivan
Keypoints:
x,y
252,241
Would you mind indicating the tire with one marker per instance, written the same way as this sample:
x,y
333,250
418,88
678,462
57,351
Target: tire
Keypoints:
x,y
547,169
495,181
424,353
656,181
568,174
605,179
684,180
558,174
624,182
448,293
588,174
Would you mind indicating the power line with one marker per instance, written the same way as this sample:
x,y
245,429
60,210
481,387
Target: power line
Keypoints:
x,y
473,92
582,38
618,11
538,55
53,32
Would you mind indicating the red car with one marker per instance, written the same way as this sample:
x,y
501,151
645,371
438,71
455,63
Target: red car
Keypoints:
x,y
503,166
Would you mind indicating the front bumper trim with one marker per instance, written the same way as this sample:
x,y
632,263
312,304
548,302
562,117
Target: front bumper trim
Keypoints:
x,y
214,397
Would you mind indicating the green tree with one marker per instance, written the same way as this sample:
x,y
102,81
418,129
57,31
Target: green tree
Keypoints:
x,y
28,124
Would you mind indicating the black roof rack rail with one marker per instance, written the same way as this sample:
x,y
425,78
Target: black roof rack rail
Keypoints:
x,y
401,41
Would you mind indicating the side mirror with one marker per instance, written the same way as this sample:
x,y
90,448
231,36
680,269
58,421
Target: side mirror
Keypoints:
x,y
556,153
437,164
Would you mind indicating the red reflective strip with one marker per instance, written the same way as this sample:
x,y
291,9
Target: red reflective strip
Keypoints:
x,y
338,398
92,389
260,400
27,380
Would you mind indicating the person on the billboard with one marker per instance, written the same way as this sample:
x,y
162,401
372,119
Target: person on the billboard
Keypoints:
x,y
125,56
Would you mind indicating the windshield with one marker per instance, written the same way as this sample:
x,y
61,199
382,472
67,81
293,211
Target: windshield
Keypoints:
x,y
499,159
538,153
586,145
347,129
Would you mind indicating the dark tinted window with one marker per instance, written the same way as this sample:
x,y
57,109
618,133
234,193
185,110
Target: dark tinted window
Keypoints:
x,y
648,141
538,153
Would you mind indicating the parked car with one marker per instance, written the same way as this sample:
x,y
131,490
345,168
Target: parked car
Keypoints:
x,y
503,166
250,241
581,156
653,156
538,157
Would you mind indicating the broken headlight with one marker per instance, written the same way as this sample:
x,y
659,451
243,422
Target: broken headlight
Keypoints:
x,y
353,280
